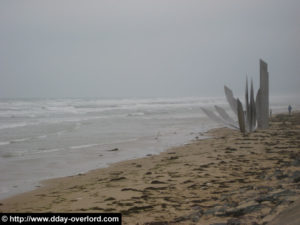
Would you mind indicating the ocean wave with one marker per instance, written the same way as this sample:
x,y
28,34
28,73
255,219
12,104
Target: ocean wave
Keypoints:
x,y
32,109
136,114
83,146
48,150
15,125
4,143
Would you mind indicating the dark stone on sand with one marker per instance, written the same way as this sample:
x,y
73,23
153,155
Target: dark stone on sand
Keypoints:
x,y
229,203
231,149
296,176
241,210
247,188
234,221
280,175
130,189
241,180
275,197
200,201
173,158
283,193
267,188
156,188
110,199
169,199
157,182
223,185
118,178
218,210
261,199
137,209
157,223
296,162
187,181
194,217
296,158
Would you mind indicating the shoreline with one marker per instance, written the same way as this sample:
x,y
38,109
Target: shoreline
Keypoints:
x,y
228,177
36,184
24,172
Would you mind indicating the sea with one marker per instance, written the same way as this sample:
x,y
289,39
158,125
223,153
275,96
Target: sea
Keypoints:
x,y
49,138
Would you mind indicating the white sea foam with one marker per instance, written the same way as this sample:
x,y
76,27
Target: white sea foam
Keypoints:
x,y
4,142
14,125
83,146
48,150
42,136
19,140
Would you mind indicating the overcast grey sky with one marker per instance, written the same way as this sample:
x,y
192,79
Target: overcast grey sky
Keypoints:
x,y
146,48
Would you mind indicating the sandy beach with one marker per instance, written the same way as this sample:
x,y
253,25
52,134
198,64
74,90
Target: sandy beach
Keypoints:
x,y
228,178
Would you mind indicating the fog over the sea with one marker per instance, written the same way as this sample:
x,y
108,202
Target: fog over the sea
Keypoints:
x,y
146,48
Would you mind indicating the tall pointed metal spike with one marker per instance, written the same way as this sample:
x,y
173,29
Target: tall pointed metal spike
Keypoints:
x,y
247,122
258,103
241,116
264,88
252,108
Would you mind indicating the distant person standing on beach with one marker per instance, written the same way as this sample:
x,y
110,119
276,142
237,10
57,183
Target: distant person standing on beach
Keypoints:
x,y
290,109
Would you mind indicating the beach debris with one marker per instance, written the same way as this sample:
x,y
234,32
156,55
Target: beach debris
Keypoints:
x,y
255,114
157,182
194,217
113,150
157,223
234,221
296,176
117,179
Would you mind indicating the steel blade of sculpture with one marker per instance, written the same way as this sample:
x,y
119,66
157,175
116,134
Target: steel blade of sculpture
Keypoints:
x,y
264,96
258,109
226,117
241,116
250,112
231,100
213,116
247,106
252,109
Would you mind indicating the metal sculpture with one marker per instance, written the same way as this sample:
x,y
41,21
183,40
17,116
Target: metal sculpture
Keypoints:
x,y
256,113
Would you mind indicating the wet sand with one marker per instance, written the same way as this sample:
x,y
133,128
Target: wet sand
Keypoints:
x,y
229,178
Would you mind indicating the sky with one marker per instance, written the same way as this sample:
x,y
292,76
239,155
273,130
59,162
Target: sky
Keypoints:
x,y
146,48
